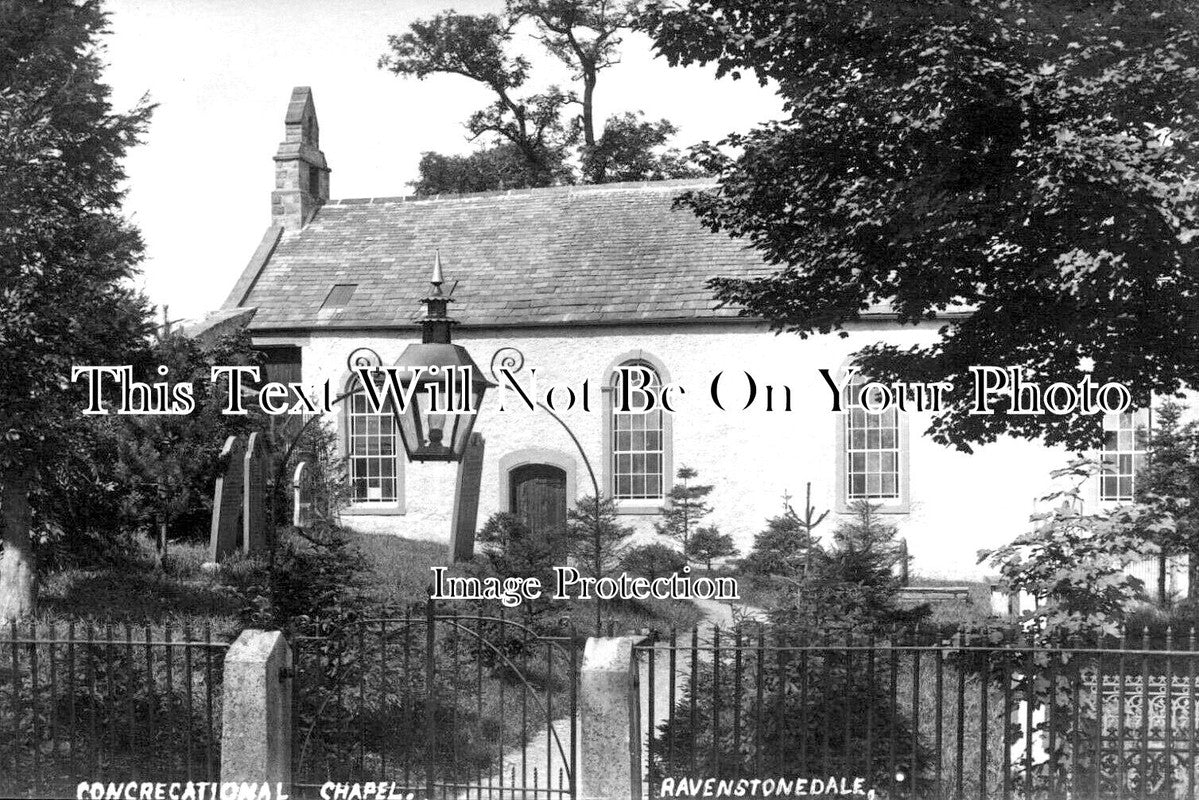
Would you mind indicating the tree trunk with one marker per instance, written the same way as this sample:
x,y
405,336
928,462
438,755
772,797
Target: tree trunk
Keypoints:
x,y
18,579
1161,578
596,169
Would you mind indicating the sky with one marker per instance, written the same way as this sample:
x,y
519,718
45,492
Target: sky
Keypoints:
x,y
221,72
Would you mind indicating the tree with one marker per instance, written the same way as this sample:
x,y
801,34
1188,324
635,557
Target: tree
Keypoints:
x,y
167,464
687,508
709,544
1076,563
635,149
499,167
1168,485
785,548
516,552
66,254
1033,162
851,586
475,48
585,36
598,543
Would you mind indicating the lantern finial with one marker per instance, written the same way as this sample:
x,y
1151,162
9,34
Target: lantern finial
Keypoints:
x,y
437,278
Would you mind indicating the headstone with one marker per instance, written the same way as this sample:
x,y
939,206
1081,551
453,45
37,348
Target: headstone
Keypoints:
x,y
466,501
227,501
254,476
301,487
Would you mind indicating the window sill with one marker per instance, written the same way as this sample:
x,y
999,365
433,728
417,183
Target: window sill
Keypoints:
x,y
881,507
639,507
373,510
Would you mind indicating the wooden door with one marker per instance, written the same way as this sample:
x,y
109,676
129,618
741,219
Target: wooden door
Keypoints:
x,y
539,498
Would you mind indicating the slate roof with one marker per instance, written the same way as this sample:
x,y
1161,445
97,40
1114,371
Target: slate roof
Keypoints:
x,y
609,254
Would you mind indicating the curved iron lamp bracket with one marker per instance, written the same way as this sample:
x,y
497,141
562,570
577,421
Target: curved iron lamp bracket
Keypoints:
x,y
513,360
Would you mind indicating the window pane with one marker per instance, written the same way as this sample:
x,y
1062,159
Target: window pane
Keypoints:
x,y
872,458
372,460
637,446
1124,442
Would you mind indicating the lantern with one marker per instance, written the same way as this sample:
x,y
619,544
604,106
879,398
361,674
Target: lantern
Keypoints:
x,y
449,388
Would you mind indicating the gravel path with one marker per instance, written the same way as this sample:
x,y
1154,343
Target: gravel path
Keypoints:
x,y
542,753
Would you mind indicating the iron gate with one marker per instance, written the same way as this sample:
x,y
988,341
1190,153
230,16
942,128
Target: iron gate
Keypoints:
x,y
441,705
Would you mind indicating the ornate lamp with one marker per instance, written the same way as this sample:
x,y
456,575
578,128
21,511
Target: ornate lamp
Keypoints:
x,y
434,427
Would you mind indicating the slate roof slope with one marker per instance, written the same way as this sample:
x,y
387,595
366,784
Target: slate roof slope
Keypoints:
x,y
616,253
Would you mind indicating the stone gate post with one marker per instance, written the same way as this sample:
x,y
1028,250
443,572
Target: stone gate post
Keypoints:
x,y
256,710
609,721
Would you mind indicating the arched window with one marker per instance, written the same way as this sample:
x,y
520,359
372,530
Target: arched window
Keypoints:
x,y
872,452
638,451
372,451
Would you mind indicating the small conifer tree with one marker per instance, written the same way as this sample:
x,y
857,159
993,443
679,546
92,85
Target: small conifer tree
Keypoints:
x,y
688,506
1168,484
785,548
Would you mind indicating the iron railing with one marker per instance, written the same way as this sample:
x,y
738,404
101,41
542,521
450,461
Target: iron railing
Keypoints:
x,y
443,705
96,703
916,716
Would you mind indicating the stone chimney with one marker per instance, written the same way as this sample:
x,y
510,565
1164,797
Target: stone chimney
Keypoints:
x,y
301,175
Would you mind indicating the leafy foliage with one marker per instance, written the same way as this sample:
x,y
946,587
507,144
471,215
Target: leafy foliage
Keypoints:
x,y
632,148
530,139
501,166
1031,161
66,253
1075,562
167,464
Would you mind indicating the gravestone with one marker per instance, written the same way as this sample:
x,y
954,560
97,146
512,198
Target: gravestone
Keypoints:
x,y
466,501
227,501
301,487
254,477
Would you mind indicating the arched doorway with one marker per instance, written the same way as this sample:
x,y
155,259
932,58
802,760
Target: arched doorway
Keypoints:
x,y
538,497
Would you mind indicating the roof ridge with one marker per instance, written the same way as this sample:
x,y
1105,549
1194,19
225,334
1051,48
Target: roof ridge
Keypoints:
x,y
567,189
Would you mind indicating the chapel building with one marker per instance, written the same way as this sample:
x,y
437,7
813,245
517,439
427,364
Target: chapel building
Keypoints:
x,y
582,280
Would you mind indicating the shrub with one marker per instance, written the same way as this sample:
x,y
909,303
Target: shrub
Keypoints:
x,y
514,552
708,544
653,561
1075,562
828,727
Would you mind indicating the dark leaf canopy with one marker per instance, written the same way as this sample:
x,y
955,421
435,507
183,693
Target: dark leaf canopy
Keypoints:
x,y
66,253
1033,163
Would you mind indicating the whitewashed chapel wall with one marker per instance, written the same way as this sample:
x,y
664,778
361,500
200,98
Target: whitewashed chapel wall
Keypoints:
x,y
959,503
